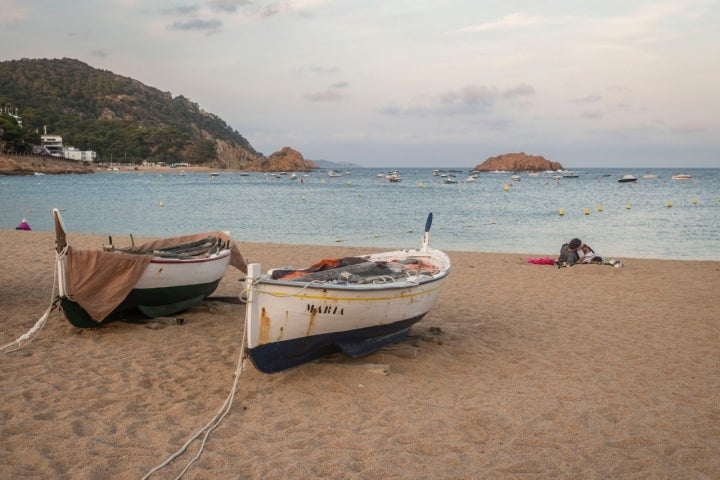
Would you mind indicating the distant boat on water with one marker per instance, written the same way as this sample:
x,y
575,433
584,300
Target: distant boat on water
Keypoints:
x,y
627,178
394,176
649,176
681,176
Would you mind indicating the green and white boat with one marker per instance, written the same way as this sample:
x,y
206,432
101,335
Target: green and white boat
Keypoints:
x,y
158,278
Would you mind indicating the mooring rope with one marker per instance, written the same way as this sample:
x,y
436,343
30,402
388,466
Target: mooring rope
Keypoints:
x,y
30,335
211,425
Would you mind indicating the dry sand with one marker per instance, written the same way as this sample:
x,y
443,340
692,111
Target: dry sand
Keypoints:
x,y
538,372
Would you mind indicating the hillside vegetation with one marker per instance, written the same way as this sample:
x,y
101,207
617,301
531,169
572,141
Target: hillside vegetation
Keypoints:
x,y
117,116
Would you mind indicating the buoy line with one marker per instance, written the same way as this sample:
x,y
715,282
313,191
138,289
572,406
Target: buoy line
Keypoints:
x,y
30,335
211,425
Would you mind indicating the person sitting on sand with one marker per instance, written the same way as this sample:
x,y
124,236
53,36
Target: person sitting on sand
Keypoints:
x,y
569,253
23,225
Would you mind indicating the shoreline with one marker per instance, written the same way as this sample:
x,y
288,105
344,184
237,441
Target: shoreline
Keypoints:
x,y
14,164
342,245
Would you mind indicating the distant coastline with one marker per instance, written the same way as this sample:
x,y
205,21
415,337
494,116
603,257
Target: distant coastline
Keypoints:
x,y
11,164
15,164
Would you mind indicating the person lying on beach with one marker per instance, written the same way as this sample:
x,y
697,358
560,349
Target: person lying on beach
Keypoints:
x,y
588,255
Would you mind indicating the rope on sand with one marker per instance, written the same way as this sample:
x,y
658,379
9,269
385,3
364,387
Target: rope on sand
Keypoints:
x,y
211,425
30,335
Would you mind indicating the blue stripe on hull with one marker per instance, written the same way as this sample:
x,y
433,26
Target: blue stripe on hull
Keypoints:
x,y
277,356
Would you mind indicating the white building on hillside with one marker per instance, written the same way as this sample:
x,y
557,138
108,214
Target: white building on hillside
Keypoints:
x,y
53,145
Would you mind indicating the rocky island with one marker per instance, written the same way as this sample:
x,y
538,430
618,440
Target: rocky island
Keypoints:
x,y
518,162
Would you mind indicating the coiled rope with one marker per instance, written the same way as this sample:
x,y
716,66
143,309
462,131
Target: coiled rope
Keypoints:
x,y
30,335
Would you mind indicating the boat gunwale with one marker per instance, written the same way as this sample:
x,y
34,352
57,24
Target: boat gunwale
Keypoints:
x,y
216,256
359,287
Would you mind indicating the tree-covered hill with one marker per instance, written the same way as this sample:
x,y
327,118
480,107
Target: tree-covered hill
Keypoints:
x,y
117,116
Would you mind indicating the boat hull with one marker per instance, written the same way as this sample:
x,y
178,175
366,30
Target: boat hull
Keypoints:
x,y
289,324
150,302
278,356
165,287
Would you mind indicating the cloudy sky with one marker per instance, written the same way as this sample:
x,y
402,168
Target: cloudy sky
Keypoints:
x,y
415,82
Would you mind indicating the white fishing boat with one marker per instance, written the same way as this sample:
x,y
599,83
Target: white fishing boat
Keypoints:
x,y
681,176
157,278
353,305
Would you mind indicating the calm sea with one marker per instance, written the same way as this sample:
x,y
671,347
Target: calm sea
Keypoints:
x,y
650,218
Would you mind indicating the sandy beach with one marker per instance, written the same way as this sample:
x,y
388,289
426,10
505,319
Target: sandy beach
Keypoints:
x,y
587,372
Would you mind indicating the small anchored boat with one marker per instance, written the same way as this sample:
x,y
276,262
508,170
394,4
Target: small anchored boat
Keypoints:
x,y
627,179
353,305
393,177
157,278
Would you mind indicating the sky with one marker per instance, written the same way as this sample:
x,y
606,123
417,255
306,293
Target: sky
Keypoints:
x,y
443,83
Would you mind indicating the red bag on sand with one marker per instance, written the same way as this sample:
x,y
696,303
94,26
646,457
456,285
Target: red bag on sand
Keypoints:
x,y
542,261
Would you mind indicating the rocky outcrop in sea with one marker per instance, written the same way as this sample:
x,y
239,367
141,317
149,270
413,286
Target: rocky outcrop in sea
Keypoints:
x,y
518,162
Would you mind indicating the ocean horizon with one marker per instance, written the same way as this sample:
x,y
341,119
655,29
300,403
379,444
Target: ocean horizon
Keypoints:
x,y
532,215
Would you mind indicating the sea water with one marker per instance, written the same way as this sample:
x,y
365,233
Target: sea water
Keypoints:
x,y
650,218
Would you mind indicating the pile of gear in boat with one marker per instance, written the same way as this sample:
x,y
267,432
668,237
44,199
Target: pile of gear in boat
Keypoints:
x,y
202,248
359,270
